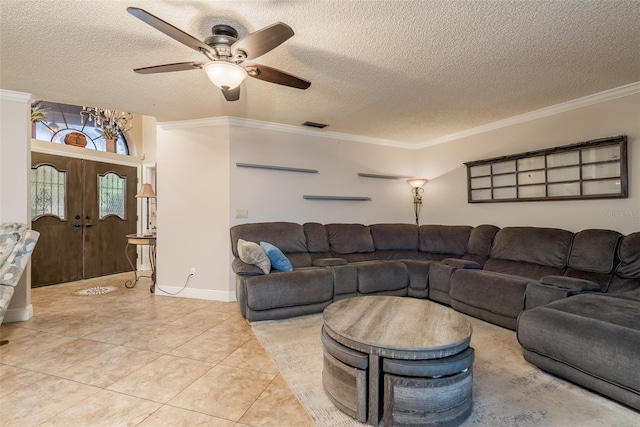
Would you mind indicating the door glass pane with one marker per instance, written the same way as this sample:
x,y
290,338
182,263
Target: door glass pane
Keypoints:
x,y
48,189
111,195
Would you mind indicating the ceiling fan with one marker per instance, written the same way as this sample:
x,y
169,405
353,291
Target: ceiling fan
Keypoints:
x,y
226,54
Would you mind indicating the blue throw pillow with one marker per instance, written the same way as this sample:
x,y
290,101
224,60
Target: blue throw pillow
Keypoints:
x,y
278,260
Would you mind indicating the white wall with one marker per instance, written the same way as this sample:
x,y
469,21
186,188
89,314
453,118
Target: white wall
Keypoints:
x,y
15,188
445,195
277,195
193,211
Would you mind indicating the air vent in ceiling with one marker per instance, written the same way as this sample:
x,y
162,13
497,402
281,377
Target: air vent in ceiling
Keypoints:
x,y
315,125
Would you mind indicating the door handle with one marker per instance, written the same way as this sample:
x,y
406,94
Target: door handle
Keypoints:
x,y
88,225
77,225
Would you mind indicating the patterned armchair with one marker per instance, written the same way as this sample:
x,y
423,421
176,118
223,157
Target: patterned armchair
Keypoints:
x,y
16,246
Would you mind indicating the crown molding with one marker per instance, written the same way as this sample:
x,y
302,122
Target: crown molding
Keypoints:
x,y
277,127
607,95
10,95
195,123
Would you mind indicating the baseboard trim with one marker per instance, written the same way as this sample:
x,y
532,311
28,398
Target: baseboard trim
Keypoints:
x,y
204,294
18,314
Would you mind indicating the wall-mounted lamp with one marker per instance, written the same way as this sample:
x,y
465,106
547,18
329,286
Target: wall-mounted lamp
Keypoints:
x,y
417,190
225,75
147,191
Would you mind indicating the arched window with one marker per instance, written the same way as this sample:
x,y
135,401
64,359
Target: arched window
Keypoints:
x,y
63,119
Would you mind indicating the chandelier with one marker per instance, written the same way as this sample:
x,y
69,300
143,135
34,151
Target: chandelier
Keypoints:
x,y
107,118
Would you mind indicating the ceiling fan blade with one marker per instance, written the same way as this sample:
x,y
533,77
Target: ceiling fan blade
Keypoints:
x,y
231,94
167,68
170,30
272,75
262,41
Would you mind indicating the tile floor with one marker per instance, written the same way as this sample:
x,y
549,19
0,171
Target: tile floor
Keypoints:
x,y
132,358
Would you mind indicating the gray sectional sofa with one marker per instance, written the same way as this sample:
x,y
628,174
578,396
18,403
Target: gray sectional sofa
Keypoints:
x,y
574,298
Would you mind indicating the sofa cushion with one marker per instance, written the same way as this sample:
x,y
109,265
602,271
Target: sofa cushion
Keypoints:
x,y
598,334
252,253
629,253
521,269
544,246
296,288
381,276
395,237
317,239
287,236
349,238
594,250
444,239
480,240
278,260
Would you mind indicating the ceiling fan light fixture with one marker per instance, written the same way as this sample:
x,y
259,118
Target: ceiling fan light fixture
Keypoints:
x,y
225,75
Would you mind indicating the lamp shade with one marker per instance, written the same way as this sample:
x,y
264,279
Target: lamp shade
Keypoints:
x,y
225,75
146,191
417,182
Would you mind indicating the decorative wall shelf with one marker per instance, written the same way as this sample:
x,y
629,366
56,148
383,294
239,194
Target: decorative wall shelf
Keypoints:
x,y
587,170
278,168
382,176
343,198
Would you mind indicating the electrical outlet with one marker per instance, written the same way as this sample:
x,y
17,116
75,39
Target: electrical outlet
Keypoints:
x,y
193,272
242,213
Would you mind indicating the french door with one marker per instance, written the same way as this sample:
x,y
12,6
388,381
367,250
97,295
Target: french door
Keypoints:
x,y
83,210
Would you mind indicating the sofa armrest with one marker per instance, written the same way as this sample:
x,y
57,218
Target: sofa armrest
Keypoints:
x,y
241,268
329,262
461,263
552,288
570,283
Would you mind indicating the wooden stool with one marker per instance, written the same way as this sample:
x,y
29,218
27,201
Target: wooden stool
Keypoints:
x,y
344,377
428,392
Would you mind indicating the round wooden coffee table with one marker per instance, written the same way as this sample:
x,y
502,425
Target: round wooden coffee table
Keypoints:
x,y
408,335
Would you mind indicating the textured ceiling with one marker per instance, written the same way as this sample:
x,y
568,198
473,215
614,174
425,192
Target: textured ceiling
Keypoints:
x,y
403,71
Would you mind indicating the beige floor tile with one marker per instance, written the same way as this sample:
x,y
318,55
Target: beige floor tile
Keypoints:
x,y
277,406
13,379
234,325
110,366
202,319
224,392
162,379
177,417
251,355
163,339
29,348
64,356
12,331
210,347
121,331
42,400
160,314
105,409
73,325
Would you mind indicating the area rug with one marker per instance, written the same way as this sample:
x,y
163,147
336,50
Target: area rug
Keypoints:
x,y
95,290
507,390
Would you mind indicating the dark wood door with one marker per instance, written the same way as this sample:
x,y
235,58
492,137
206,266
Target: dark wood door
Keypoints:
x,y
108,218
83,211
57,201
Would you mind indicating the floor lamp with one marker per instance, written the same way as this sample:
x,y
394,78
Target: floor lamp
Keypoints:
x,y
147,192
417,190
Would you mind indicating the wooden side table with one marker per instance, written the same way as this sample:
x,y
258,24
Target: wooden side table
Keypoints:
x,y
139,240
